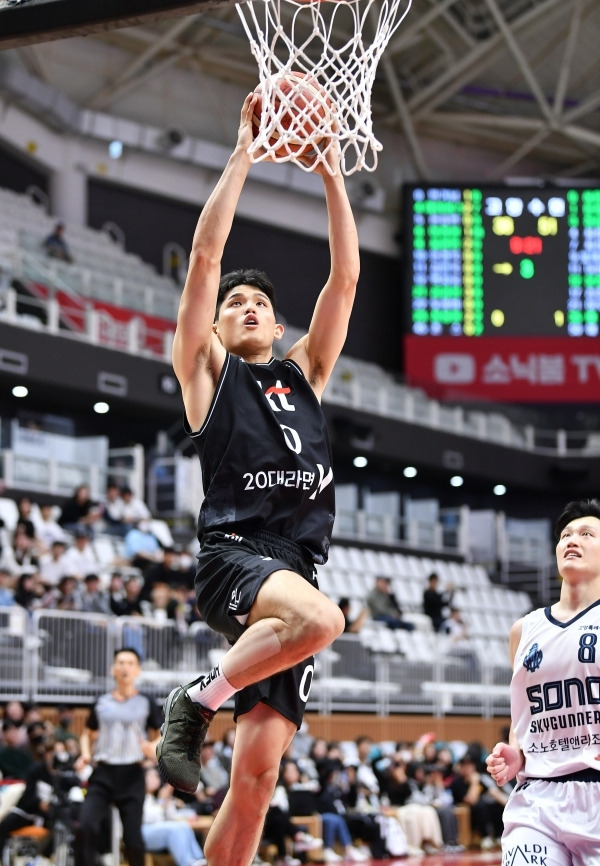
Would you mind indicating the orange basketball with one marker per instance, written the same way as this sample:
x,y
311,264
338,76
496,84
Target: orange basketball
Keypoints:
x,y
303,110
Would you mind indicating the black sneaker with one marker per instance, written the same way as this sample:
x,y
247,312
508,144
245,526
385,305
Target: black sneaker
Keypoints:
x,y
183,732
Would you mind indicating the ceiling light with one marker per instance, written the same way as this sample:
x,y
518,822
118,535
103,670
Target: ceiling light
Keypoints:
x,y
101,408
115,149
409,472
360,462
457,481
499,489
20,391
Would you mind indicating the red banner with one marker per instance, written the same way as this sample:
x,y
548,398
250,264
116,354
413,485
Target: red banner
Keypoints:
x,y
113,321
505,369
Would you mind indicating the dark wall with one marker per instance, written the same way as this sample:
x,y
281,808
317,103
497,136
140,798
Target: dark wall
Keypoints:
x,y
297,264
17,173
66,377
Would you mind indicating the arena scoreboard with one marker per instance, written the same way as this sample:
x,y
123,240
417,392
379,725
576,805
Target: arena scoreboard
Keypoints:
x,y
502,288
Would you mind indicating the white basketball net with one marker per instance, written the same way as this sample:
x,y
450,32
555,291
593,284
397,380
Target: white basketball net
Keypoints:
x,y
324,40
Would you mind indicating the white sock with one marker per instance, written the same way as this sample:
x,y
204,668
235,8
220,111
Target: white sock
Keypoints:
x,y
212,690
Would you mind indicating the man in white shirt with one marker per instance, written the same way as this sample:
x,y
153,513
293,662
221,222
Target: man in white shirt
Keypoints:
x,y
80,559
47,530
52,565
133,509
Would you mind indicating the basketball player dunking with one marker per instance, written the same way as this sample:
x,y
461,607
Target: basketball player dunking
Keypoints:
x,y
552,815
268,511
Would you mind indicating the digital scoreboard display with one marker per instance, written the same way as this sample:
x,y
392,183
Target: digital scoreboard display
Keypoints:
x,y
502,289
508,261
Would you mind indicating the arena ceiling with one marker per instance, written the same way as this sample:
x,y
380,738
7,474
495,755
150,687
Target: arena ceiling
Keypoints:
x,y
520,78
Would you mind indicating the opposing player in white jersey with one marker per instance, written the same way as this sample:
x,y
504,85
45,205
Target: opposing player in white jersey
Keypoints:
x,y
552,817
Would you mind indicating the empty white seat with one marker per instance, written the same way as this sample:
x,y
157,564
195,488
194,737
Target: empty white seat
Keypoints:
x,y
356,558
402,566
371,561
338,556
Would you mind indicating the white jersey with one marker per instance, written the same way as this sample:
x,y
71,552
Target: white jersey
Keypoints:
x,y
555,693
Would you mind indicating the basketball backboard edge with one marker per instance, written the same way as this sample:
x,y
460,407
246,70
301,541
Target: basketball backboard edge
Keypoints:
x,y
45,20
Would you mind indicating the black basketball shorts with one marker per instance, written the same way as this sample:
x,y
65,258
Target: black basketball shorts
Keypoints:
x,y
231,570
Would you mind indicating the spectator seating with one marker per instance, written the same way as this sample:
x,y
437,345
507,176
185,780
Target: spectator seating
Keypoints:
x,y
101,268
489,610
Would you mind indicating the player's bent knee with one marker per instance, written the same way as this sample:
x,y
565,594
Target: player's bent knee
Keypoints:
x,y
336,623
254,787
324,625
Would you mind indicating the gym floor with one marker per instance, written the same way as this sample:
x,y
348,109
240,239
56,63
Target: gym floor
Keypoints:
x,y
466,858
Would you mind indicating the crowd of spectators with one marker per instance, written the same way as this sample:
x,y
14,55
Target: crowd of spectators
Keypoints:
x,y
50,560
382,605
40,784
373,800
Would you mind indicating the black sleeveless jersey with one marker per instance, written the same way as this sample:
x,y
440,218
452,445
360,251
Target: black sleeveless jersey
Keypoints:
x,y
266,457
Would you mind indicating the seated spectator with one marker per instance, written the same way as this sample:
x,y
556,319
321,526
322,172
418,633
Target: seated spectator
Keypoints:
x,y
33,806
167,571
383,605
130,604
80,558
457,635
186,609
434,791
79,511
303,799
116,591
279,828
14,711
368,798
7,592
112,512
213,774
435,603
24,517
352,626
455,627
224,749
52,565
29,591
338,793
309,762
133,509
418,819
141,547
162,829
65,596
63,730
33,714
56,246
161,605
486,808
47,529
15,758
24,552
93,598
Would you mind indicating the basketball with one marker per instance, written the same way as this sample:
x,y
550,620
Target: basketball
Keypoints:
x,y
300,111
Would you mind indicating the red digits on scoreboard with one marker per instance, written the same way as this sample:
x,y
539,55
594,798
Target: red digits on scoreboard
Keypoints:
x,y
530,246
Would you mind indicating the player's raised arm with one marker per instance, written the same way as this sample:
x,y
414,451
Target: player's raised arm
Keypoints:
x,y
317,352
197,354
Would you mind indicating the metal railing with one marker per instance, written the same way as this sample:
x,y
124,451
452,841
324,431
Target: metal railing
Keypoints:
x,y
354,383
58,656
60,477
88,324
